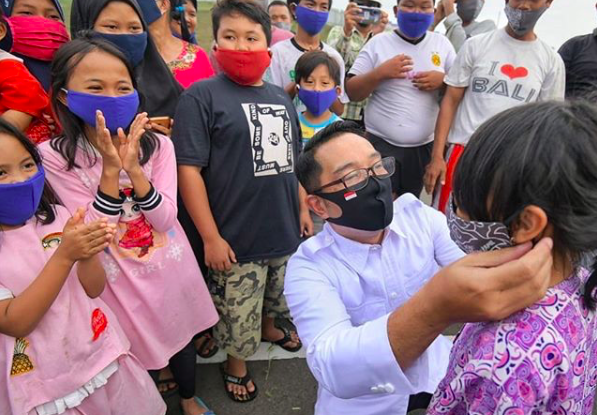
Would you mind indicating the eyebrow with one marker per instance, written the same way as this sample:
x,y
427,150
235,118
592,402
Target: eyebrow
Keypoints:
x,y
21,162
348,165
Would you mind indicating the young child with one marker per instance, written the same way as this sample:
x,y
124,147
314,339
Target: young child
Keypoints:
x,y
529,173
318,86
62,349
154,285
493,72
23,101
237,139
311,16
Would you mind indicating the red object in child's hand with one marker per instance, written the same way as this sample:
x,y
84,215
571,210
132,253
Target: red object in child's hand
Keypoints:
x,y
99,322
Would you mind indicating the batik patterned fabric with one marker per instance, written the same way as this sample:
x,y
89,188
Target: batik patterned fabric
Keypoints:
x,y
541,360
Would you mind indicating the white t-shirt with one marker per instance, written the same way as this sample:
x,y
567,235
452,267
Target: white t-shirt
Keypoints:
x,y
285,54
397,111
499,73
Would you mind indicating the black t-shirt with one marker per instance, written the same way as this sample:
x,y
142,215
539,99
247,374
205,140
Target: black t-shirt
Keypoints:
x,y
580,57
246,140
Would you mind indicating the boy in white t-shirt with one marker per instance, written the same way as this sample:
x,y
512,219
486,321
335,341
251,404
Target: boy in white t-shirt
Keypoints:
x,y
493,72
402,72
311,16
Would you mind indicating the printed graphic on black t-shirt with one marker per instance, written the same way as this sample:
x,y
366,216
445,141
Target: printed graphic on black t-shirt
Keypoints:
x,y
271,139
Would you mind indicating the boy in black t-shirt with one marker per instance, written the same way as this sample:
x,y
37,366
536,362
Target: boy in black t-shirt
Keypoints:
x,y
237,140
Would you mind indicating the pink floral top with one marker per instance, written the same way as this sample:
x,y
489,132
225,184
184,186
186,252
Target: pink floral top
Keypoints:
x,y
191,65
542,360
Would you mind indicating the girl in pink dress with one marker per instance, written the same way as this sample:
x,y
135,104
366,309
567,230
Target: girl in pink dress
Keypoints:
x,y
154,285
62,350
528,173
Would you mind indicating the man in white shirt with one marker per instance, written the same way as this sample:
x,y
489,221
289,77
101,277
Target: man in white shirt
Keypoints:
x,y
352,289
493,72
402,72
461,20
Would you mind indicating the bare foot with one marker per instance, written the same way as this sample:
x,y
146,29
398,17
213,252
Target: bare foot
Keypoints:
x,y
166,373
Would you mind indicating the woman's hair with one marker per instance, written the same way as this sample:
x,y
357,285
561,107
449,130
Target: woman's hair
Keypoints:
x,y
65,61
177,13
45,213
542,154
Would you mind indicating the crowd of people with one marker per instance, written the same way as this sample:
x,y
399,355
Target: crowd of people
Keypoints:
x,y
160,202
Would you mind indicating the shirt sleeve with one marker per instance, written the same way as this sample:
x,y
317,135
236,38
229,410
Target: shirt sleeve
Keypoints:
x,y
20,91
191,134
159,206
554,85
455,31
343,97
347,361
461,71
365,61
275,73
72,192
446,251
450,56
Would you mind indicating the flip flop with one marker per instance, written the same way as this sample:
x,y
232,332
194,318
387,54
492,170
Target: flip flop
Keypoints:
x,y
287,338
170,391
238,381
202,404
201,351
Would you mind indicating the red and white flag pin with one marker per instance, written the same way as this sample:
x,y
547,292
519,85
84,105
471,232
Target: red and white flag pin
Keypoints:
x,y
350,195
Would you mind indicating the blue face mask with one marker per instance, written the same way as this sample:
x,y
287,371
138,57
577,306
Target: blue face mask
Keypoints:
x,y
317,102
414,25
192,40
119,112
133,46
311,21
19,201
151,11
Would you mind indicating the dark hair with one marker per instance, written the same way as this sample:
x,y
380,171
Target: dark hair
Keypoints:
x,y
542,154
250,10
309,61
73,128
296,2
279,3
177,14
45,213
308,169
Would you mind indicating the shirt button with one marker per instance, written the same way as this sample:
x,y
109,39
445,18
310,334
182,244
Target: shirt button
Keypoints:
x,y
389,388
393,295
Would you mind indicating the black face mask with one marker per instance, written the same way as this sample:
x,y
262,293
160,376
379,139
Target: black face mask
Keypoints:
x,y
368,209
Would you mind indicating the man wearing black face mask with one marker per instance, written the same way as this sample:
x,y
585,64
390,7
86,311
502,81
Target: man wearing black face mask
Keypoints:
x,y
461,21
361,292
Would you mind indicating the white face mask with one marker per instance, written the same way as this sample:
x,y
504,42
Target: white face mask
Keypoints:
x,y
282,25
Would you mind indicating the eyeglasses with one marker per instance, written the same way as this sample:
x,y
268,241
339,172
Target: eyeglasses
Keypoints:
x,y
358,179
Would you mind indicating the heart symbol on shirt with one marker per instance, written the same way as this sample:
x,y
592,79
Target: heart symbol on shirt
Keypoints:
x,y
513,73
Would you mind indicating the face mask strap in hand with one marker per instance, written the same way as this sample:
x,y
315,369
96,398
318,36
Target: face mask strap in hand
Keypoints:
x,y
474,236
37,37
523,21
21,200
311,21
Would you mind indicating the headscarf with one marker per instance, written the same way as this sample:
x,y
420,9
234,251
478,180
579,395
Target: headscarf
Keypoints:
x,y
39,69
157,86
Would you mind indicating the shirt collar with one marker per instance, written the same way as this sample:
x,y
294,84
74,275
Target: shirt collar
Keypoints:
x,y
356,254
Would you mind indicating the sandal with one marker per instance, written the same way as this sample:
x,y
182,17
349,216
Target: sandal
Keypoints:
x,y
202,404
286,339
244,381
170,391
204,351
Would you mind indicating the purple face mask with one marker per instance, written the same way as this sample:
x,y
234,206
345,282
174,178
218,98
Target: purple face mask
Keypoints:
x,y
471,236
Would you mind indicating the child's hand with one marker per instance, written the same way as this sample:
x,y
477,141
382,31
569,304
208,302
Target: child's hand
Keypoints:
x,y
429,81
129,145
105,146
219,255
396,68
82,241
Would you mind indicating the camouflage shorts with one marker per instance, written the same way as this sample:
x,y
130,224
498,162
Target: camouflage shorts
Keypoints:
x,y
242,295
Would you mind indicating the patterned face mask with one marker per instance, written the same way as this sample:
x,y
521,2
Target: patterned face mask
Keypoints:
x,y
471,236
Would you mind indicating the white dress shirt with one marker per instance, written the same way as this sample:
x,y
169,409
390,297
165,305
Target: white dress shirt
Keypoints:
x,y
341,293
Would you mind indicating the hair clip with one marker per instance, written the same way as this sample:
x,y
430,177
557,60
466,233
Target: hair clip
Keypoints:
x,y
179,9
